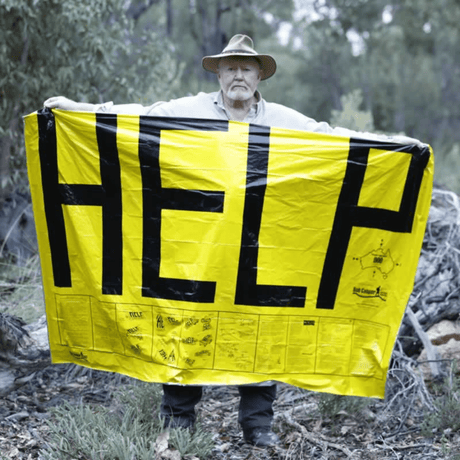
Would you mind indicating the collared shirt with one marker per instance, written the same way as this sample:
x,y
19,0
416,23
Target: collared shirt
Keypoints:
x,y
211,106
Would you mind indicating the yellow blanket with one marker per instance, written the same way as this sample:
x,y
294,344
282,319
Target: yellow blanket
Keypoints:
x,y
211,252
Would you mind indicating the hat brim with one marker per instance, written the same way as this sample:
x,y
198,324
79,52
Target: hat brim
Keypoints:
x,y
267,63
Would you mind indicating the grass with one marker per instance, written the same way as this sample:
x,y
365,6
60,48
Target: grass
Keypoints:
x,y
331,406
446,416
21,290
128,430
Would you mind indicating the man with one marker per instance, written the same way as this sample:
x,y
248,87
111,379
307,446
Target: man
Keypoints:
x,y
239,69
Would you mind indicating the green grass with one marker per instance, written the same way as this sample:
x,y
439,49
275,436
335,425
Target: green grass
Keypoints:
x,y
446,415
332,406
127,430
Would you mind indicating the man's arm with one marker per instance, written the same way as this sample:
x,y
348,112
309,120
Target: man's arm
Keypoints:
x,y
285,117
397,139
63,103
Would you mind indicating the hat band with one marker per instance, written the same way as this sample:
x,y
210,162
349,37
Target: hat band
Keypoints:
x,y
240,51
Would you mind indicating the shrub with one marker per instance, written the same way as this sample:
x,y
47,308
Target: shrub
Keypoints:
x,y
331,406
446,417
128,430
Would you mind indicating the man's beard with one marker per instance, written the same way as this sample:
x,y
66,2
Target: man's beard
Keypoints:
x,y
239,95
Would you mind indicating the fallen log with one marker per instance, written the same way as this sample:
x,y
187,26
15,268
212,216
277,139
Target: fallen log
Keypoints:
x,y
433,355
436,293
24,350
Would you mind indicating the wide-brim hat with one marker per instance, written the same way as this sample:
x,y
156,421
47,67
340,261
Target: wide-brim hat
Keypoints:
x,y
241,45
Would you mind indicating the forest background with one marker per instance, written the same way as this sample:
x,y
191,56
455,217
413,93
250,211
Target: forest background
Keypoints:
x,y
389,66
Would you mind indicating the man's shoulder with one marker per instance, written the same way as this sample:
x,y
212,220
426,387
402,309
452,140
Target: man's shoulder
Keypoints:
x,y
192,98
284,109
285,117
185,106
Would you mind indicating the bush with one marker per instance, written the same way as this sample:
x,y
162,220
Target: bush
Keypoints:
x,y
446,417
351,116
331,406
83,49
447,167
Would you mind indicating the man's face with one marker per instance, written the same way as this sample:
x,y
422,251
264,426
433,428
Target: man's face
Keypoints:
x,y
239,77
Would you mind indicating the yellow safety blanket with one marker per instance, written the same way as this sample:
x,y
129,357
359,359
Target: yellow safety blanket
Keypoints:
x,y
215,252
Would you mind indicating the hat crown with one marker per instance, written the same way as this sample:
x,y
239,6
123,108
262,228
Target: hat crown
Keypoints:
x,y
240,44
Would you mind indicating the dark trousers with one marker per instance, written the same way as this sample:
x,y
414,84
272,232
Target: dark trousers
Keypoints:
x,y
256,404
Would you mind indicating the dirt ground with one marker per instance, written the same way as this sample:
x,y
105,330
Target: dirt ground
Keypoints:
x,y
305,434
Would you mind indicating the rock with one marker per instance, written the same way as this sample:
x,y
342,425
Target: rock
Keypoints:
x,y
444,331
445,335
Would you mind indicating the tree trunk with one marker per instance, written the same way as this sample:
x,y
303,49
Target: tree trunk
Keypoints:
x,y
6,143
169,18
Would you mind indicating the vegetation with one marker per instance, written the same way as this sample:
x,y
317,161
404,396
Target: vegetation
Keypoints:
x,y
446,415
130,427
129,430
21,290
381,65
332,406
84,49
403,58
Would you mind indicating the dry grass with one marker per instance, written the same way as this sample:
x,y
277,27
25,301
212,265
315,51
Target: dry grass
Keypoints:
x,y
21,290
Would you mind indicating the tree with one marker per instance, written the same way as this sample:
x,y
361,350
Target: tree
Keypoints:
x,y
351,116
84,49
203,27
409,67
326,60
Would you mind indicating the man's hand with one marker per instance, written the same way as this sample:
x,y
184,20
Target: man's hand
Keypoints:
x,y
61,102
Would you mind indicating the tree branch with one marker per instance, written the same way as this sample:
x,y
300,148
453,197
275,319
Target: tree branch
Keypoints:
x,y
24,350
135,11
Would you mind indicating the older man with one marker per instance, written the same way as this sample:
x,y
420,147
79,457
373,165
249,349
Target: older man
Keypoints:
x,y
239,69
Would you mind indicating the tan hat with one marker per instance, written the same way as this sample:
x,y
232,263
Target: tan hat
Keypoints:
x,y
241,45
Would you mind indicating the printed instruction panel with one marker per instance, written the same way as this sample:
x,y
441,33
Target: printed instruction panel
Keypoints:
x,y
224,341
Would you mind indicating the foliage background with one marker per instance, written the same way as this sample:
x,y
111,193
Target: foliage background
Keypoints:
x,y
374,65
386,65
